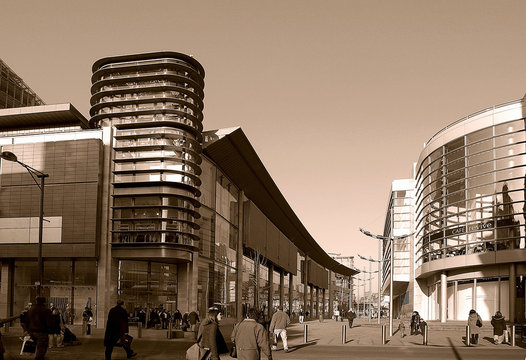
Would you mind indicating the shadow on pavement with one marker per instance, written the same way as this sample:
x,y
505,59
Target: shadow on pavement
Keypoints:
x,y
297,347
455,352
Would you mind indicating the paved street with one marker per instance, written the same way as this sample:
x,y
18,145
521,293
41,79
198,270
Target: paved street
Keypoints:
x,y
363,342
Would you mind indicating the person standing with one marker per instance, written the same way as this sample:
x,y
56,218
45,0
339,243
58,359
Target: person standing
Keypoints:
x,y
193,318
38,322
474,323
210,337
351,315
116,327
178,318
415,322
500,333
278,327
87,319
23,316
301,317
55,337
251,338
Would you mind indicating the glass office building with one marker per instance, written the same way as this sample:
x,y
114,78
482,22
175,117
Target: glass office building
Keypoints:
x,y
172,215
14,92
470,217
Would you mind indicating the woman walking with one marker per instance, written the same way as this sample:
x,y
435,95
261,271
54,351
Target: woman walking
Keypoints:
x,y
211,339
474,323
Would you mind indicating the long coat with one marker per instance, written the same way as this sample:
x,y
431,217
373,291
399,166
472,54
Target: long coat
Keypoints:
x,y
499,325
211,338
116,326
251,339
472,322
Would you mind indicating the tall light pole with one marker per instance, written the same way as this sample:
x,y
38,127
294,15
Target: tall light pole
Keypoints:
x,y
9,156
391,267
379,271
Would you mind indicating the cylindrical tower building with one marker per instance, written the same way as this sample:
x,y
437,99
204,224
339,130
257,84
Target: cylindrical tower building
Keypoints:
x,y
153,105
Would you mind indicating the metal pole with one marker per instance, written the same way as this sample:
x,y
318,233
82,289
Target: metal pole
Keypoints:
x,y
391,241
384,335
370,287
305,333
358,299
40,235
425,335
379,278
512,340
468,340
344,334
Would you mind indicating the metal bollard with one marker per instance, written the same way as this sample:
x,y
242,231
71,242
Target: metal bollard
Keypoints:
x,y
468,340
139,330
512,340
169,333
384,334
425,335
344,334
305,333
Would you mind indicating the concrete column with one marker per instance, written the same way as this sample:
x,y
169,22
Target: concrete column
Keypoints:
x,y
6,289
324,306
474,295
305,287
455,301
187,286
270,289
443,297
499,294
513,292
312,300
331,291
291,291
281,288
239,258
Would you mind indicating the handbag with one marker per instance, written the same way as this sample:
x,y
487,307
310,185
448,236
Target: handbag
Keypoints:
x,y
479,323
194,352
233,352
126,340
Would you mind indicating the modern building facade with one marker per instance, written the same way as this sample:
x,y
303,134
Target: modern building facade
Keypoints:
x,y
153,209
14,92
470,217
399,222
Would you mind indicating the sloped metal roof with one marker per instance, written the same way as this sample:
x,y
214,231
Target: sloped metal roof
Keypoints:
x,y
231,150
43,115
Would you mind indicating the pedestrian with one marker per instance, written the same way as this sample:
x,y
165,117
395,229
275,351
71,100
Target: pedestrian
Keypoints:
x,y
500,333
178,318
209,336
415,323
401,328
23,317
351,315
38,322
68,315
278,327
301,316
116,328
307,314
193,319
55,333
87,319
474,323
250,338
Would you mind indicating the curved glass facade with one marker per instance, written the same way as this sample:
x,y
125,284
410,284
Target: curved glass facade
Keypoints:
x,y
154,102
471,181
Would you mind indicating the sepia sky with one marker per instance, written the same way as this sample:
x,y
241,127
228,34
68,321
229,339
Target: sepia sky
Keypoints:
x,y
337,97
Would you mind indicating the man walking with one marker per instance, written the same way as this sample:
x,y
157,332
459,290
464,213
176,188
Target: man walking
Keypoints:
x,y
351,315
38,322
278,327
116,327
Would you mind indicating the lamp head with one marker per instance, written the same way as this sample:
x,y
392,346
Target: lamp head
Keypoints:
x,y
8,155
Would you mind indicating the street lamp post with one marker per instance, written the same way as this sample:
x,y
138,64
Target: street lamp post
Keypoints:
x,y
9,156
371,260
391,268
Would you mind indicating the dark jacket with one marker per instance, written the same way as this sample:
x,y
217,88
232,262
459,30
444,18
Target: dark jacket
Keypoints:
x,y
251,340
116,326
58,323
193,318
350,315
39,319
499,325
211,338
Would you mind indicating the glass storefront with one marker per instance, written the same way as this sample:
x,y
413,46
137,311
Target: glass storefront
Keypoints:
x,y
69,285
